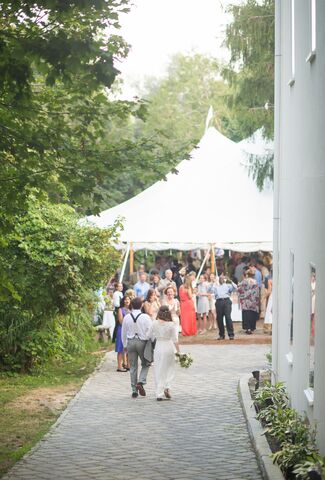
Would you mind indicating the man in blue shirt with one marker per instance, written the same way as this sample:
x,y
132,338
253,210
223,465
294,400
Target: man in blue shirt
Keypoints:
x,y
223,306
142,286
258,276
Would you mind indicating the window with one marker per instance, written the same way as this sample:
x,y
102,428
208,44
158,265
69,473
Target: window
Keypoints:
x,y
293,53
309,392
289,355
291,295
312,52
312,325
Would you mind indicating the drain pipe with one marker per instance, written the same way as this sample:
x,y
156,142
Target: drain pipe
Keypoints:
x,y
276,201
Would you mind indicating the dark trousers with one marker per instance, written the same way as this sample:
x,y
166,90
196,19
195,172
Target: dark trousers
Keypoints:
x,y
249,319
223,308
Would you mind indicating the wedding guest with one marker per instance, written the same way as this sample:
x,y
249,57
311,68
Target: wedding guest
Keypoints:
x,y
142,286
264,273
239,270
164,265
267,327
152,304
108,316
192,275
173,305
135,276
223,306
117,298
122,359
166,282
155,283
135,332
163,330
188,315
203,304
213,282
207,272
179,278
117,295
130,293
249,297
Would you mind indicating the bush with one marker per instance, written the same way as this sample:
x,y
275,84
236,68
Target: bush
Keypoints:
x,y
54,265
297,451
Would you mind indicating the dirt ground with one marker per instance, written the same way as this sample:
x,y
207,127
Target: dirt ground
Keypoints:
x,y
241,338
53,399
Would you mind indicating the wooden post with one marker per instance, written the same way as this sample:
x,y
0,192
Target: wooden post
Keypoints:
x,y
131,258
213,260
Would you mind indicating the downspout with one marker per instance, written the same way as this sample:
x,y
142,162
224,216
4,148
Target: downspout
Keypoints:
x,y
276,193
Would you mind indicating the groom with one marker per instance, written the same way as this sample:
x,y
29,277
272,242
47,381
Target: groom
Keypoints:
x,y
135,333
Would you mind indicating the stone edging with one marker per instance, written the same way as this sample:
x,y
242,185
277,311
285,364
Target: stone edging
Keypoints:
x,y
53,427
260,444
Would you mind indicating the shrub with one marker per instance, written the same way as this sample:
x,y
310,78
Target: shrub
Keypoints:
x,y
291,432
55,265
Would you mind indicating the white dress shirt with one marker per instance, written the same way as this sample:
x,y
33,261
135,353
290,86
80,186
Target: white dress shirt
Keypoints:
x,y
117,297
139,329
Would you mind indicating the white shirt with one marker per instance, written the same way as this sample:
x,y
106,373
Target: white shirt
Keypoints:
x,y
117,297
140,328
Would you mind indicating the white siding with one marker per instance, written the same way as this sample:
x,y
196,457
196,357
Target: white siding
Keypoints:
x,y
301,185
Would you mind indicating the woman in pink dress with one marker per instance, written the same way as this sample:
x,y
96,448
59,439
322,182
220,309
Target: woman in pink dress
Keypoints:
x,y
188,315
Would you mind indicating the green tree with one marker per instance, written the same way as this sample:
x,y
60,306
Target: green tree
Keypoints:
x,y
179,103
250,73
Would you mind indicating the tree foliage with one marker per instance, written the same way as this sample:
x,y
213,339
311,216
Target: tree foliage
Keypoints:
x,y
57,265
250,73
179,102
57,66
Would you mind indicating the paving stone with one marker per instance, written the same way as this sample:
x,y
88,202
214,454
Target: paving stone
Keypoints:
x,y
200,434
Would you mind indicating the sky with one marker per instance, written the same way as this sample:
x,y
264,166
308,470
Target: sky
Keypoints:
x,y
157,29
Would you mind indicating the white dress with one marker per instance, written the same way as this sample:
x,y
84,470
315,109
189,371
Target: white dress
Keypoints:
x,y
269,311
164,354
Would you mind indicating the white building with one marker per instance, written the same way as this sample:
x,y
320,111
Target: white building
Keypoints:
x,y
299,213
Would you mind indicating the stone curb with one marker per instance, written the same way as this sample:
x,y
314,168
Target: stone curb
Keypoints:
x,y
260,444
74,400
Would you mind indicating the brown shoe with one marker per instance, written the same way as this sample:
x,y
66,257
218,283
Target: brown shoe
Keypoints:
x,y
140,389
167,393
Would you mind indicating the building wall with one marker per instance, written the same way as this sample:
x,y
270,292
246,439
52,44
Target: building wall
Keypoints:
x,y
300,183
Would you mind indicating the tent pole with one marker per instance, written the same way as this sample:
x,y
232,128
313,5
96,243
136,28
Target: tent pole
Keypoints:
x,y
127,251
202,266
131,258
213,260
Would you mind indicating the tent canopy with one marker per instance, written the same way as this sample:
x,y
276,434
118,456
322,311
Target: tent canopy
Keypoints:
x,y
211,200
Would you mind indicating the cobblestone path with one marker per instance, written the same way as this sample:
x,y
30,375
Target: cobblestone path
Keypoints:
x,y
199,434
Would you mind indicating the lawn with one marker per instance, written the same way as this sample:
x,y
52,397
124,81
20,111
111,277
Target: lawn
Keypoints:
x,y
31,403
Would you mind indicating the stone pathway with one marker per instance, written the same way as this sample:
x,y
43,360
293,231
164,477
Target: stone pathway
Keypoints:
x,y
199,434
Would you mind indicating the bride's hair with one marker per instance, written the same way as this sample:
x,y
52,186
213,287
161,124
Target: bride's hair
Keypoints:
x,y
164,314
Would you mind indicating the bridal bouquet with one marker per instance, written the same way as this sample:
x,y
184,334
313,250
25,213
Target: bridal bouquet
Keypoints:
x,y
184,359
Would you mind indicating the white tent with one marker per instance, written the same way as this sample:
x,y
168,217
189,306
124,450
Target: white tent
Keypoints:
x,y
211,200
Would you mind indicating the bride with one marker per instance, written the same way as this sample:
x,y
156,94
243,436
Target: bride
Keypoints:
x,y
164,331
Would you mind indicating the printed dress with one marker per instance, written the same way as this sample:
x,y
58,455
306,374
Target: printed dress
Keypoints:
x,y
249,299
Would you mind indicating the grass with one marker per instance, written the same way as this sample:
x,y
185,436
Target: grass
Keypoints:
x,y
31,403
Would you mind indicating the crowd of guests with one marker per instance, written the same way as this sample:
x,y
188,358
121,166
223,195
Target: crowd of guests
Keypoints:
x,y
172,292
196,304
